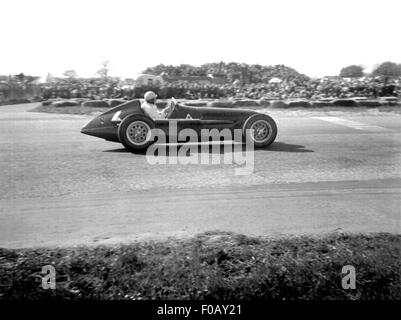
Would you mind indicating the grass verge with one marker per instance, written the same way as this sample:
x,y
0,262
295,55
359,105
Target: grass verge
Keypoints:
x,y
211,265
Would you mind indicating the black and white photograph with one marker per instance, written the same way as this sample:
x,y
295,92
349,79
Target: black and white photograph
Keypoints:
x,y
209,152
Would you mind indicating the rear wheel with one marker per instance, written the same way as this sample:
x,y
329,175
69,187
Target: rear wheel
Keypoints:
x,y
135,132
263,130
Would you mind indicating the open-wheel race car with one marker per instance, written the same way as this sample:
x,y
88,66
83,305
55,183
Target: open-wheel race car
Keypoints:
x,y
127,123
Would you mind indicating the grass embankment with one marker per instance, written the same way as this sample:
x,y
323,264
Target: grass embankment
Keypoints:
x,y
212,265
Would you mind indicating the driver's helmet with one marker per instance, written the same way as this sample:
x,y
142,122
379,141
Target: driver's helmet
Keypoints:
x,y
149,96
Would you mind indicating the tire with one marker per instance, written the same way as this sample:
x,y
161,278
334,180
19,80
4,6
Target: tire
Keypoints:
x,y
267,130
134,132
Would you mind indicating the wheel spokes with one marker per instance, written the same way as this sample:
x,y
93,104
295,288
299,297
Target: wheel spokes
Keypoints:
x,y
137,132
260,130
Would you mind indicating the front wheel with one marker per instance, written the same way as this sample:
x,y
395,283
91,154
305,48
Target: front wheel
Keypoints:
x,y
263,130
135,132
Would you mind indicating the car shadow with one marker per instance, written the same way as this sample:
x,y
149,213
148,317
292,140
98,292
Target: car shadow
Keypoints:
x,y
118,150
222,148
286,147
123,150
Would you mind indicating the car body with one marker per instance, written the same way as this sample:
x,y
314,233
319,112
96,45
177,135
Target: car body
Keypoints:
x,y
121,123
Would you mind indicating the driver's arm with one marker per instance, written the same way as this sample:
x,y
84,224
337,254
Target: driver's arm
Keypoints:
x,y
168,110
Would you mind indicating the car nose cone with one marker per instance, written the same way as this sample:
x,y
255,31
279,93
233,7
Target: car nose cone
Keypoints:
x,y
92,127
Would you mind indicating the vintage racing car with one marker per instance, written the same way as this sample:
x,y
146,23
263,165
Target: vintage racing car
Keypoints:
x,y
127,123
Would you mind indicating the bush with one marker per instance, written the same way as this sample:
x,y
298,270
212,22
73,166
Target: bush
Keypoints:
x,y
96,104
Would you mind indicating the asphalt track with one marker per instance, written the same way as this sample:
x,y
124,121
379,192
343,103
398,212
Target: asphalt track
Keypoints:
x,y
327,171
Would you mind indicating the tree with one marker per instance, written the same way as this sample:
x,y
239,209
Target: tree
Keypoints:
x,y
387,69
20,76
103,72
70,74
352,71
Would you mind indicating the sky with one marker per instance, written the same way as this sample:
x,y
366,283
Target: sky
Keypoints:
x,y
316,37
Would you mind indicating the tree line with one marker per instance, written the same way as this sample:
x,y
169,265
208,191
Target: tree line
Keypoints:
x,y
387,69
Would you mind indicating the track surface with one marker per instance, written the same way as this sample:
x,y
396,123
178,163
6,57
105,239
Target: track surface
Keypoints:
x,y
327,171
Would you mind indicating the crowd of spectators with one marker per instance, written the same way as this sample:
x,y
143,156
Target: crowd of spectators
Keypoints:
x,y
93,88
209,81
314,89
310,89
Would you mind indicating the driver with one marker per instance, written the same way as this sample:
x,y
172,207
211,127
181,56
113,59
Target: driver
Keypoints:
x,y
150,108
